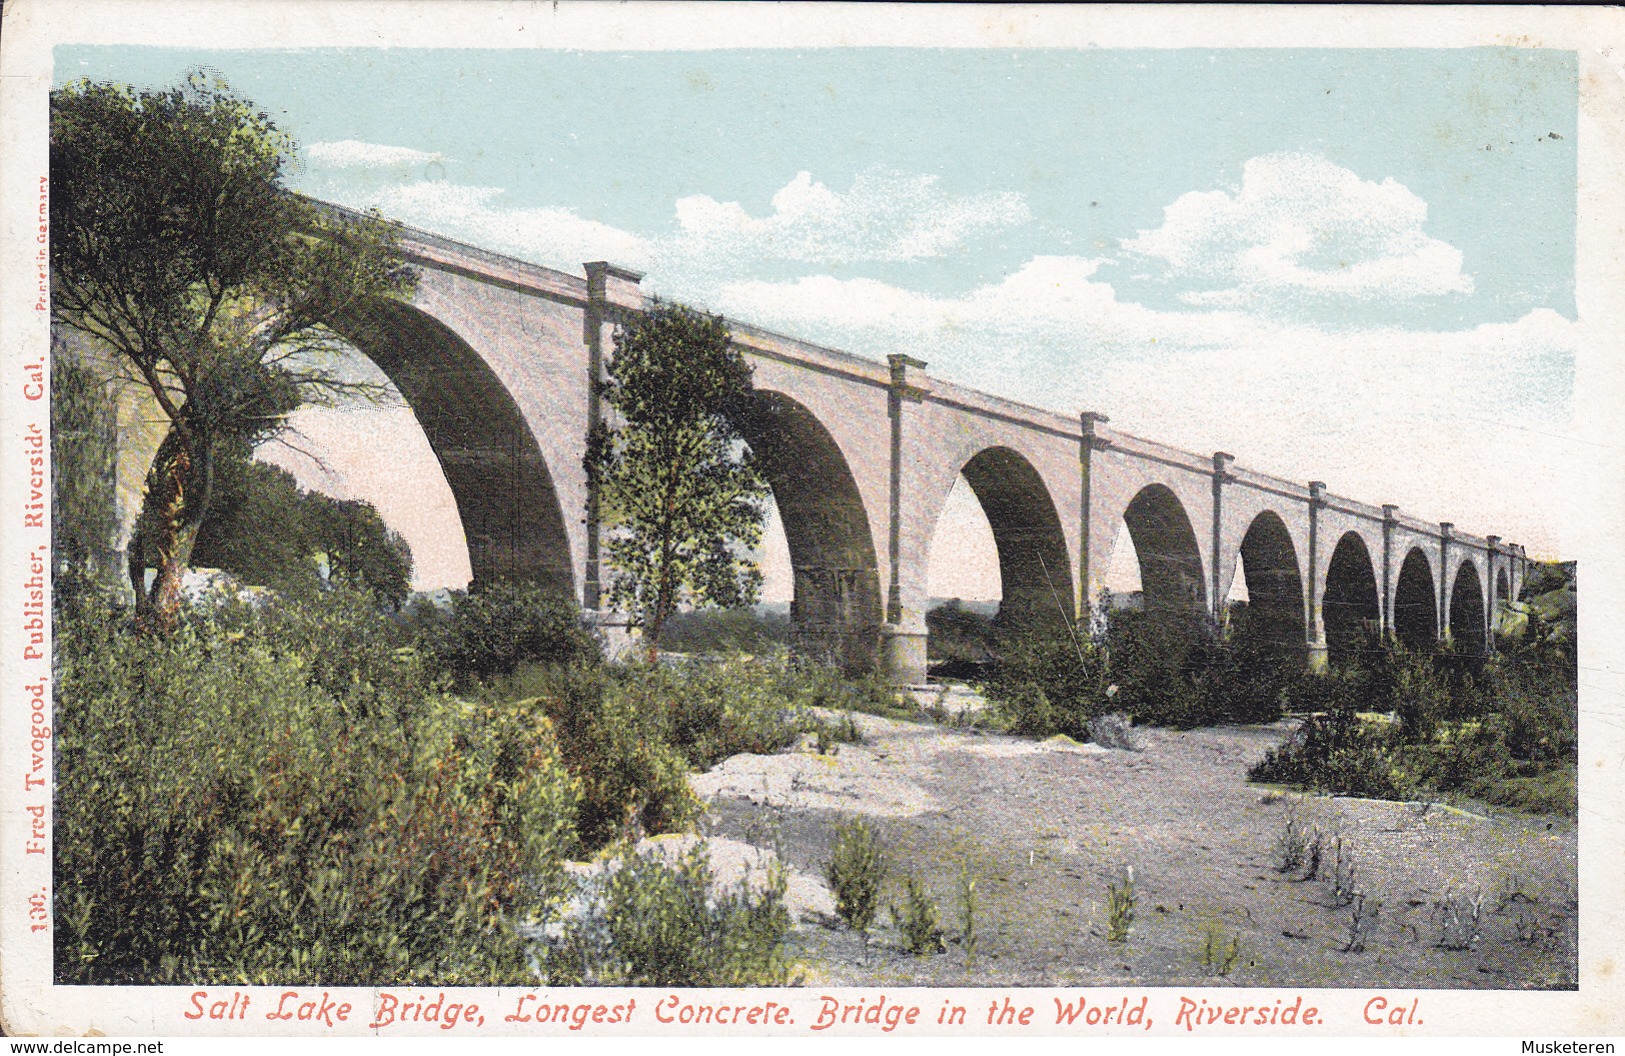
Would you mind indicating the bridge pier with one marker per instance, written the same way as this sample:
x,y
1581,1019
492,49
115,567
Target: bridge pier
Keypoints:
x,y
614,631
903,654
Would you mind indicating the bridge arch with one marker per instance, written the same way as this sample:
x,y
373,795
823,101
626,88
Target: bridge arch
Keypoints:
x,y
1275,609
1503,589
1171,583
1467,610
1035,576
1350,602
836,609
512,519
1416,609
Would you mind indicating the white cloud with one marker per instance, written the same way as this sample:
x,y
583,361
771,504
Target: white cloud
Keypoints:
x,y
1301,228
474,214
886,216
354,154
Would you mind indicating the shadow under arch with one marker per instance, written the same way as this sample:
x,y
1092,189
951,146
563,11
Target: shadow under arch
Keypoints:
x,y
1035,576
1416,607
836,611
1467,610
1269,562
1171,585
1351,602
512,521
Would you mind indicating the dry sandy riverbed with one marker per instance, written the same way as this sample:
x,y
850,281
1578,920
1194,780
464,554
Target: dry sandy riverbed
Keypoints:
x,y
1046,826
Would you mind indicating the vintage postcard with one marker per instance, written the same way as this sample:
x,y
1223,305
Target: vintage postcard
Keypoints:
x,y
556,520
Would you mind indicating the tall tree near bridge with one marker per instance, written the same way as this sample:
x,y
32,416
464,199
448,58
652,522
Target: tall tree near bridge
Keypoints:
x,y
175,245
677,487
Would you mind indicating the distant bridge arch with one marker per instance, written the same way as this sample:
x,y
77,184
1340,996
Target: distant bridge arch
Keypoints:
x,y
1416,613
1275,596
1351,605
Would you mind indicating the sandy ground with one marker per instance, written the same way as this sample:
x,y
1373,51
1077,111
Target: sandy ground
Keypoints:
x,y
1044,827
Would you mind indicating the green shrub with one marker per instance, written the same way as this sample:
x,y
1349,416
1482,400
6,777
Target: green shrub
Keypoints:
x,y
1045,683
632,733
223,818
918,921
1238,676
963,642
656,923
714,711
967,911
1336,752
1157,670
616,746
493,629
342,643
1120,902
1219,956
1421,698
1500,730
714,631
807,683
856,870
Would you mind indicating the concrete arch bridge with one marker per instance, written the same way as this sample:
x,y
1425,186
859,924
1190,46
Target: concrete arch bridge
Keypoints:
x,y
496,357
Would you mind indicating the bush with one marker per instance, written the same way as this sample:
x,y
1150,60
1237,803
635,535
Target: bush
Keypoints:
x,y
918,921
630,775
1044,683
1421,697
1239,677
654,923
493,629
1336,752
856,871
1120,902
750,631
223,818
710,712
632,733
342,643
963,642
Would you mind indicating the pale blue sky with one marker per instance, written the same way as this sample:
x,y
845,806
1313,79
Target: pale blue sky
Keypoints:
x,y
1287,254
1097,143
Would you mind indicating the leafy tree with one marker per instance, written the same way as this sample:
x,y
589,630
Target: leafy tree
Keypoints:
x,y
84,442
266,530
256,527
676,484
174,243
361,550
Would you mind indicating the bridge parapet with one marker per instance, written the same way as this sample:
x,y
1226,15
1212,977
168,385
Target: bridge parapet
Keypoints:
x,y
1355,508
1287,489
1001,409
1416,525
1140,447
754,339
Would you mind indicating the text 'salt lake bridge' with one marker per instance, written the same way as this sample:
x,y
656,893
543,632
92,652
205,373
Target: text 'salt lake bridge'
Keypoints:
x,y
497,358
